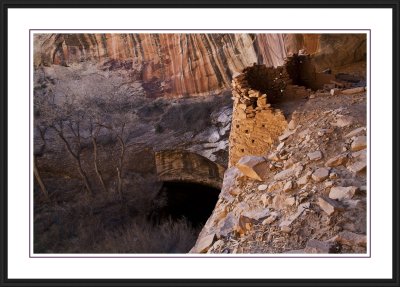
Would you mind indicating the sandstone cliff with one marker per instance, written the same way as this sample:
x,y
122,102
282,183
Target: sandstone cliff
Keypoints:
x,y
192,64
297,168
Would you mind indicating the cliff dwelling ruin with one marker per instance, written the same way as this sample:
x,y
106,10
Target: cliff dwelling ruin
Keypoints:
x,y
202,143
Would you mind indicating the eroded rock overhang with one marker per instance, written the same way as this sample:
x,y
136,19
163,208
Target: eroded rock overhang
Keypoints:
x,y
184,166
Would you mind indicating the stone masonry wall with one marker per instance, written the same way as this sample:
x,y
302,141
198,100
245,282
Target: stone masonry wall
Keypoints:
x,y
255,124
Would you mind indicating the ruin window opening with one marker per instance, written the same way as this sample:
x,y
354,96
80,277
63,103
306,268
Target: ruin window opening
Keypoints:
x,y
253,102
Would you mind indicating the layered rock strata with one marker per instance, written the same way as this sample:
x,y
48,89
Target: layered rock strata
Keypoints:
x,y
173,64
183,166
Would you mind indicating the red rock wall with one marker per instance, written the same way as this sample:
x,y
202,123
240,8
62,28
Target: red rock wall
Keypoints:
x,y
190,64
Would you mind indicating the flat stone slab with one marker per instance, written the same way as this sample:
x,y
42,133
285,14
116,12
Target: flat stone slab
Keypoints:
x,y
337,160
284,174
353,91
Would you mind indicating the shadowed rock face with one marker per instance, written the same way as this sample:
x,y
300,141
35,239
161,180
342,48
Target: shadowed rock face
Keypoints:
x,y
192,64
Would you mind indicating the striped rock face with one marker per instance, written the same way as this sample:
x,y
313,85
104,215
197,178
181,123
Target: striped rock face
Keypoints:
x,y
190,64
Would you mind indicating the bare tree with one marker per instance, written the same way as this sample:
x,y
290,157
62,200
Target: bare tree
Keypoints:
x,y
66,118
81,115
96,125
39,151
114,112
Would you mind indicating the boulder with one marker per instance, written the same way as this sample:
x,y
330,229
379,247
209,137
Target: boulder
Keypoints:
x,y
292,125
290,201
355,132
304,133
229,188
337,160
278,202
254,167
227,225
304,179
245,224
270,219
262,187
320,174
335,92
286,229
275,185
357,167
316,246
256,214
329,205
285,135
214,137
280,146
225,117
288,186
350,238
293,217
316,155
359,143
205,243
343,121
340,192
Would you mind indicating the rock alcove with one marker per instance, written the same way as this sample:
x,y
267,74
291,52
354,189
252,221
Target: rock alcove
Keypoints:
x,y
190,186
192,201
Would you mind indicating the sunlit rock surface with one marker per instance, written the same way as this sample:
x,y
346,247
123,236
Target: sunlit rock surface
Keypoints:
x,y
192,64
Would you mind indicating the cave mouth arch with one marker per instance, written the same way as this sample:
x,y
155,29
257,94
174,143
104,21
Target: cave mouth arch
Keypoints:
x,y
190,200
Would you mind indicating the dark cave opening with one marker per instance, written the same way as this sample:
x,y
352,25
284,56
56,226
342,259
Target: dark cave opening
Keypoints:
x,y
189,200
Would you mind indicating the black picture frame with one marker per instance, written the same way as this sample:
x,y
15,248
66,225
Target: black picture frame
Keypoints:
x,y
5,159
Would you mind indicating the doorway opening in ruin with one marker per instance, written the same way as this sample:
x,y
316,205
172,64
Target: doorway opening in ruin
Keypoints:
x,y
192,201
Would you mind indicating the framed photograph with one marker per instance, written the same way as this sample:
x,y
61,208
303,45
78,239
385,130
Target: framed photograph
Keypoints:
x,y
199,144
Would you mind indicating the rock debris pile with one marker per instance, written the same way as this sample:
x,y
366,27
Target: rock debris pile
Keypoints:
x,y
304,189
